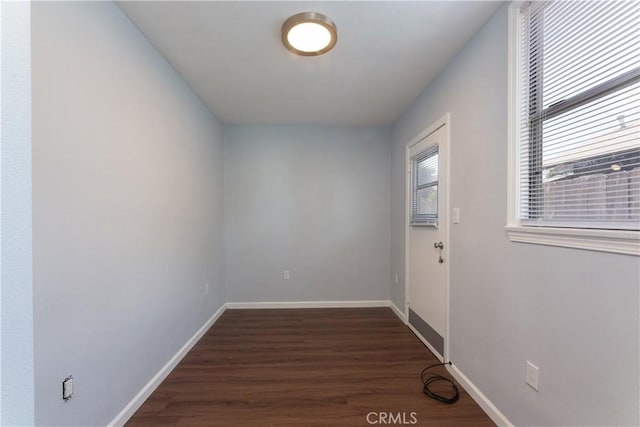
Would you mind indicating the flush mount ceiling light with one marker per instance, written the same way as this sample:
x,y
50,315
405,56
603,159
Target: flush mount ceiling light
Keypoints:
x,y
309,34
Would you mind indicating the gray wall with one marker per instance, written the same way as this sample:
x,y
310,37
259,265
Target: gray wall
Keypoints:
x,y
128,227
312,200
573,313
16,284
127,211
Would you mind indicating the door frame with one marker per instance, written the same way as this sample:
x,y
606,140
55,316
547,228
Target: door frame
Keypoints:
x,y
442,121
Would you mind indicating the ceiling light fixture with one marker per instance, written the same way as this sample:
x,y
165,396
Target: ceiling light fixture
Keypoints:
x,y
309,34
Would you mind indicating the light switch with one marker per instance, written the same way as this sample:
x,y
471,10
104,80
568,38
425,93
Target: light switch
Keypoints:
x,y
455,216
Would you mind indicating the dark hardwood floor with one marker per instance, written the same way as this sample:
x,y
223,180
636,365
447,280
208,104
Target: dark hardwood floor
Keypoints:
x,y
303,367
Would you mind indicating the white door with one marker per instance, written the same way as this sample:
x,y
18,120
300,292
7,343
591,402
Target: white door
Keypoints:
x,y
427,235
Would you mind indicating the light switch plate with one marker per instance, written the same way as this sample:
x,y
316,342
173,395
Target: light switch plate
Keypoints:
x,y
455,216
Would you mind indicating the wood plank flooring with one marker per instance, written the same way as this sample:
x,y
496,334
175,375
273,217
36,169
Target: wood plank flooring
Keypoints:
x,y
303,367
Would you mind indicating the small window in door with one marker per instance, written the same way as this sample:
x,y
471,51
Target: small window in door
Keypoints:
x,y
424,188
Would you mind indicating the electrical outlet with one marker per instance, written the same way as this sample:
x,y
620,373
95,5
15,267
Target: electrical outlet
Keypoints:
x,y
206,289
532,375
395,279
67,388
286,275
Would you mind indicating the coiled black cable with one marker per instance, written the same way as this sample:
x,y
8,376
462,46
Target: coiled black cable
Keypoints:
x,y
428,380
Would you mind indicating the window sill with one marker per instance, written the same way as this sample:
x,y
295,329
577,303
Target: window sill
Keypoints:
x,y
613,241
424,224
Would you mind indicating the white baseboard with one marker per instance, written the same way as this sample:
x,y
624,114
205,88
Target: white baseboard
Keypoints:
x,y
308,304
397,311
137,401
483,401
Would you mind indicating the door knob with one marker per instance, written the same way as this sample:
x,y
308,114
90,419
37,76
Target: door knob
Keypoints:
x,y
438,245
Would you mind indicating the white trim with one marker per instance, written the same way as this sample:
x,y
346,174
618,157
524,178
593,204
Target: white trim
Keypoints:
x,y
398,312
447,251
407,189
513,111
483,401
442,121
308,304
613,241
137,401
431,129
127,412
425,342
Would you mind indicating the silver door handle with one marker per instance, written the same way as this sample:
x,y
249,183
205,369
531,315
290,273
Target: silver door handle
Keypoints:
x,y
439,245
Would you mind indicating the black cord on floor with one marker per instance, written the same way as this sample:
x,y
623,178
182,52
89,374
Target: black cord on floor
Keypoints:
x,y
430,378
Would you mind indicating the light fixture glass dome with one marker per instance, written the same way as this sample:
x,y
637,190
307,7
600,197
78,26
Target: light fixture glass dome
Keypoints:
x,y
309,34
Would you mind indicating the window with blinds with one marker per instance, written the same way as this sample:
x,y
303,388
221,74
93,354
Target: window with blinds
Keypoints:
x,y
424,188
579,131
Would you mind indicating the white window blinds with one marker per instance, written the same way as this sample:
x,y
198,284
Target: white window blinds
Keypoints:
x,y
424,194
579,151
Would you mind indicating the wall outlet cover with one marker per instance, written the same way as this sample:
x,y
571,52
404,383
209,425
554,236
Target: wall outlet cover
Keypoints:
x,y
67,388
532,375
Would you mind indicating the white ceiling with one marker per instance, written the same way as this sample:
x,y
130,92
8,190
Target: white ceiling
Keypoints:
x,y
230,53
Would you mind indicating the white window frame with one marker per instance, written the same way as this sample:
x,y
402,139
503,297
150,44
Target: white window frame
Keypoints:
x,y
615,241
415,160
